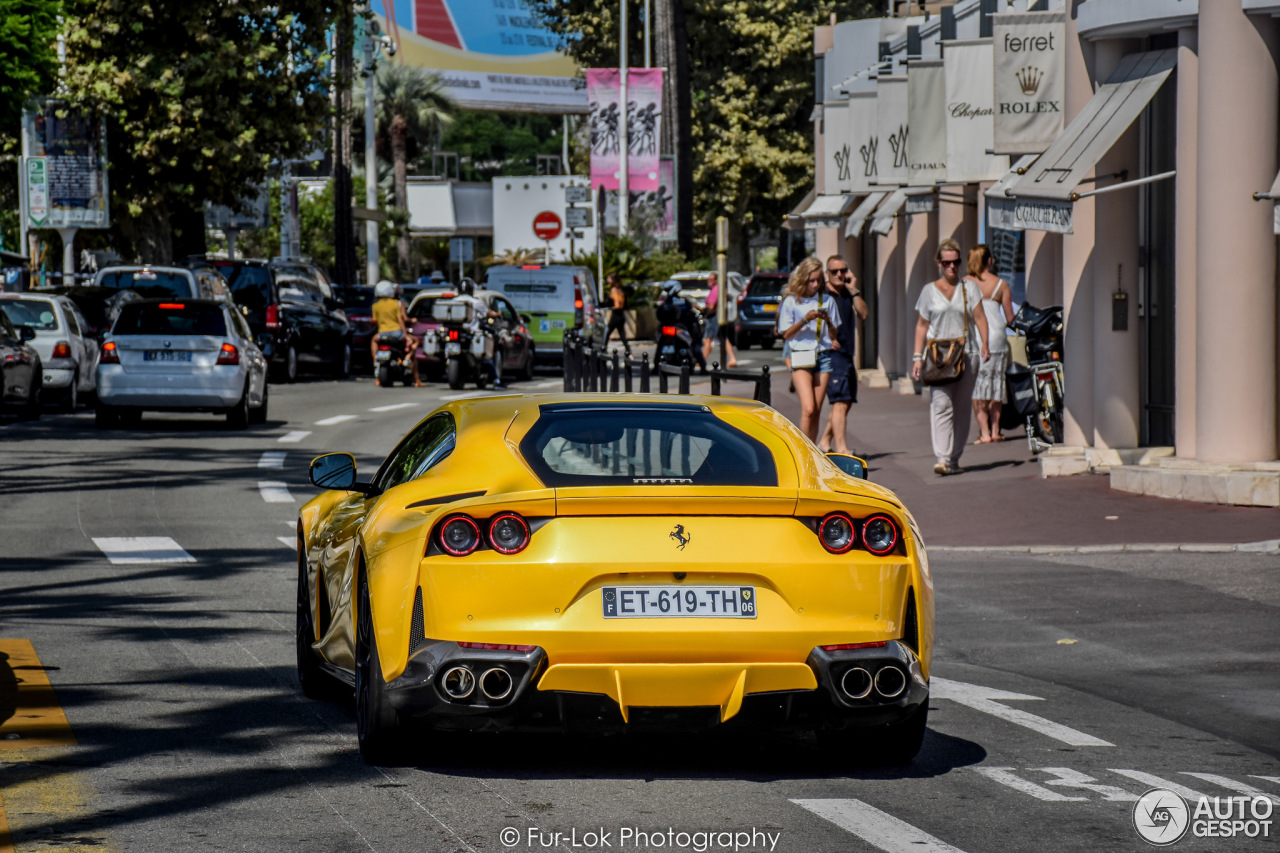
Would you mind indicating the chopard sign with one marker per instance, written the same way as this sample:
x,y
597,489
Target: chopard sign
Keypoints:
x,y
964,109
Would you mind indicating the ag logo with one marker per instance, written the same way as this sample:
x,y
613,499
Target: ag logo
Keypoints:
x,y
680,536
1161,817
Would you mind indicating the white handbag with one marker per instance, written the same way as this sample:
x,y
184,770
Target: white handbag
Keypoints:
x,y
806,358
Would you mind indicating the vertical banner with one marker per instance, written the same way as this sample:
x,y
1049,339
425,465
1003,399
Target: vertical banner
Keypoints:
x,y
864,142
1030,70
970,125
72,148
837,166
891,120
644,120
653,212
926,122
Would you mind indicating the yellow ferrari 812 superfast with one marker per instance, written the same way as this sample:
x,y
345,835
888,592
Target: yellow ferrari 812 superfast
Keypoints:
x,y
628,562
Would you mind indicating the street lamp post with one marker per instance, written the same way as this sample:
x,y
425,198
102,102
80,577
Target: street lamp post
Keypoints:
x,y
370,167
624,189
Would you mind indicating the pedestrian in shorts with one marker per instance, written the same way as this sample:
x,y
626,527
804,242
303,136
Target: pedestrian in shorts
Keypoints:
x,y
842,388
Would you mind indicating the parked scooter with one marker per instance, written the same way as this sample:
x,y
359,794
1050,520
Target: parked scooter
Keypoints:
x,y
392,362
1036,391
675,345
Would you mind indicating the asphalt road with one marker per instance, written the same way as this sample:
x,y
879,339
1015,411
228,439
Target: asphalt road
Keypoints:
x,y
1065,686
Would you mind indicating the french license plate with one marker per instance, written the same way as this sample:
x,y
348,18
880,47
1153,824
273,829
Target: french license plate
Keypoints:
x,y
769,308
632,602
166,355
668,350
452,349
384,355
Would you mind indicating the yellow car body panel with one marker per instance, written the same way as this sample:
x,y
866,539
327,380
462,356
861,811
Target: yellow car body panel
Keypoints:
x,y
549,594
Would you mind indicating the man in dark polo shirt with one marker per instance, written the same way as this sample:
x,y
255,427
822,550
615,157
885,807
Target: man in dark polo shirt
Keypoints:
x,y
842,389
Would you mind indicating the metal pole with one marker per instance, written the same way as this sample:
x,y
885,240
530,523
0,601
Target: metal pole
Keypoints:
x,y
68,236
23,247
372,252
564,144
648,48
624,144
722,276
286,216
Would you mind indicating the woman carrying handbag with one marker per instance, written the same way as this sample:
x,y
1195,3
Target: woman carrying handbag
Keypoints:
x,y
948,353
807,320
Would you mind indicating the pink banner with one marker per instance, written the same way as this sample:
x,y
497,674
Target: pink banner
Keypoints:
x,y
644,121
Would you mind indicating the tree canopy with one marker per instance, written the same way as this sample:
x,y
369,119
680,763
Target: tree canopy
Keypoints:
x,y
28,56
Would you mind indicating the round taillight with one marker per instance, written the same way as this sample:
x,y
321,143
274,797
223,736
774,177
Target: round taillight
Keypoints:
x,y
508,533
459,536
837,533
880,535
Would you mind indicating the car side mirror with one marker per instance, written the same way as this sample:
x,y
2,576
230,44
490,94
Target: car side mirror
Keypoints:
x,y
854,466
334,471
26,333
525,318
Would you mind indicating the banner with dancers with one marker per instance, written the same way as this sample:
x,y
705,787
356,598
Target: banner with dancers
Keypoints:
x,y
644,120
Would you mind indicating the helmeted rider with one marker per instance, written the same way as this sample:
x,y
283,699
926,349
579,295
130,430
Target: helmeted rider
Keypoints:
x,y
481,313
672,308
393,324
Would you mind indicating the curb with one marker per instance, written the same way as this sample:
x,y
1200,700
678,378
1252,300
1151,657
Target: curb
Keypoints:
x,y
1268,546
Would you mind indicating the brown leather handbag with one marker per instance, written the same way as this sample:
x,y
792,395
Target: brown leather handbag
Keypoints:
x,y
944,359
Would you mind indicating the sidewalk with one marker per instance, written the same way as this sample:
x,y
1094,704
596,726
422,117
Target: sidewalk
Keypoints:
x,y
1001,502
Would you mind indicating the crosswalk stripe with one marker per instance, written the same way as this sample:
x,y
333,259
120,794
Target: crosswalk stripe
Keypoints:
x,y
37,718
875,827
1153,781
981,698
272,459
393,407
336,419
142,549
290,542
294,437
1005,776
274,493
1233,785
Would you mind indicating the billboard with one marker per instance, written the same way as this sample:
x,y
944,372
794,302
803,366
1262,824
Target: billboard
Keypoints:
x,y
494,55
644,126
64,167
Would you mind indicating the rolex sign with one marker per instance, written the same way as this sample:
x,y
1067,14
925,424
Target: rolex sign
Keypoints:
x,y
1029,74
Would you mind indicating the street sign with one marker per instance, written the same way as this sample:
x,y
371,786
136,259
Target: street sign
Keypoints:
x,y
461,249
577,195
546,225
37,191
577,217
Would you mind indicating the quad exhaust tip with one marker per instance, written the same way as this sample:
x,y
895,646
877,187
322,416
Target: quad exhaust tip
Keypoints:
x,y
496,684
890,682
458,682
856,683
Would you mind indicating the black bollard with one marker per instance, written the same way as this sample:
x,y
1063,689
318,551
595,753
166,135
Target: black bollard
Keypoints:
x,y
715,379
685,372
644,373
613,377
764,387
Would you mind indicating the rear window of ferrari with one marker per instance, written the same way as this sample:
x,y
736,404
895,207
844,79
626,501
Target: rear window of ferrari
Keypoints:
x,y
677,444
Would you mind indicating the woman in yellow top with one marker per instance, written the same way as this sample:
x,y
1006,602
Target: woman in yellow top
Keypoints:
x,y
388,312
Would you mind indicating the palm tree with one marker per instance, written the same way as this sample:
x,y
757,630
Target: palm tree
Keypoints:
x,y
410,103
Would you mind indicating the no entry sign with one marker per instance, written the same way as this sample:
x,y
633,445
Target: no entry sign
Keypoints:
x,y
546,225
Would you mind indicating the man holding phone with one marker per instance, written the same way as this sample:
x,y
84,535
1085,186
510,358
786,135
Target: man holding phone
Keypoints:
x,y
842,389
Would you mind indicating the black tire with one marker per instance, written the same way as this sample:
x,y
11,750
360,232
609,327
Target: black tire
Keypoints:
x,y
384,375
238,415
376,721
767,342
312,679
105,417
342,368
72,401
453,374
289,369
1049,426
31,411
259,415
526,371
881,746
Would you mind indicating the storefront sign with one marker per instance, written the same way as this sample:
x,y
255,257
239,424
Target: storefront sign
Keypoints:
x,y
921,203
969,112
644,114
1000,214
71,183
1039,214
926,123
837,171
891,121
867,152
1029,65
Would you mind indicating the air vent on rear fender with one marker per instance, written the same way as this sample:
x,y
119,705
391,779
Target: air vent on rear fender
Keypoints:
x,y
911,624
417,639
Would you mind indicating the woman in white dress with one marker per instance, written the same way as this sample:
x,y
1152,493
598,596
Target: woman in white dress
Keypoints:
x,y
989,392
942,311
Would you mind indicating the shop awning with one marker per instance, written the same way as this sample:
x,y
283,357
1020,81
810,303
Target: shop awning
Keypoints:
x,y
1000,205
828,211
862,213
894,205
1046,192
794,221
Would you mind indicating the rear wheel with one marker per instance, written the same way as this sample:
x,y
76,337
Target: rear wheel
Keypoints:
x,y
72,401
376,720
238,415
259,415
31,411
130,417
288,370
453,374
526,372
891,745
342,369
384,375
767,342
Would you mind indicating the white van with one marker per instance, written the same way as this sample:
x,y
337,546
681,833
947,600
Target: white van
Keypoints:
x,y
556,298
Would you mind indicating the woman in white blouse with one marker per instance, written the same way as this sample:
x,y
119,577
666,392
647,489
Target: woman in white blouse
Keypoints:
x,y
807,319
942,309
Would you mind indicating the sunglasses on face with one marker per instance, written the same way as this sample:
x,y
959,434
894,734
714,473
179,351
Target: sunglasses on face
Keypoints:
x,y
954,263
839,272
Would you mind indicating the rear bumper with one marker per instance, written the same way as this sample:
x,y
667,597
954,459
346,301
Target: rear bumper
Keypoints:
x,y
219,389
55,377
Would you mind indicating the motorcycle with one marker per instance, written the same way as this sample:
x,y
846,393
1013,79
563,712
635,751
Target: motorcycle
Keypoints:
x,y
1036,392
392,361
466,355
675,345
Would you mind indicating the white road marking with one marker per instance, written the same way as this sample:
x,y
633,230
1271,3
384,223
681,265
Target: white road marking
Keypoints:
x,y
142,549
1273,779
274,492
294,437
290,542
336,419
1068,778
448,397
1233,785
876,827
272,459
1004,775
393,407
981,698
549,384
1153,781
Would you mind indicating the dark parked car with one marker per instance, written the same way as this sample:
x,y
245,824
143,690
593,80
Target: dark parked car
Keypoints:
x,y
99,305
758,309
21,373
357,301
296,320
513,343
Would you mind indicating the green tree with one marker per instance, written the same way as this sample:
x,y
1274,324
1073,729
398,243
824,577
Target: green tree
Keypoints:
x,y
410,104
202,99
490,145
28,58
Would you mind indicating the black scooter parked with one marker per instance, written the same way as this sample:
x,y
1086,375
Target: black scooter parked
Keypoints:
x,y
1036,392
391,362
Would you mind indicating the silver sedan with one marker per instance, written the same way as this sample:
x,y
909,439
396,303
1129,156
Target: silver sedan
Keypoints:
x,y
181,355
